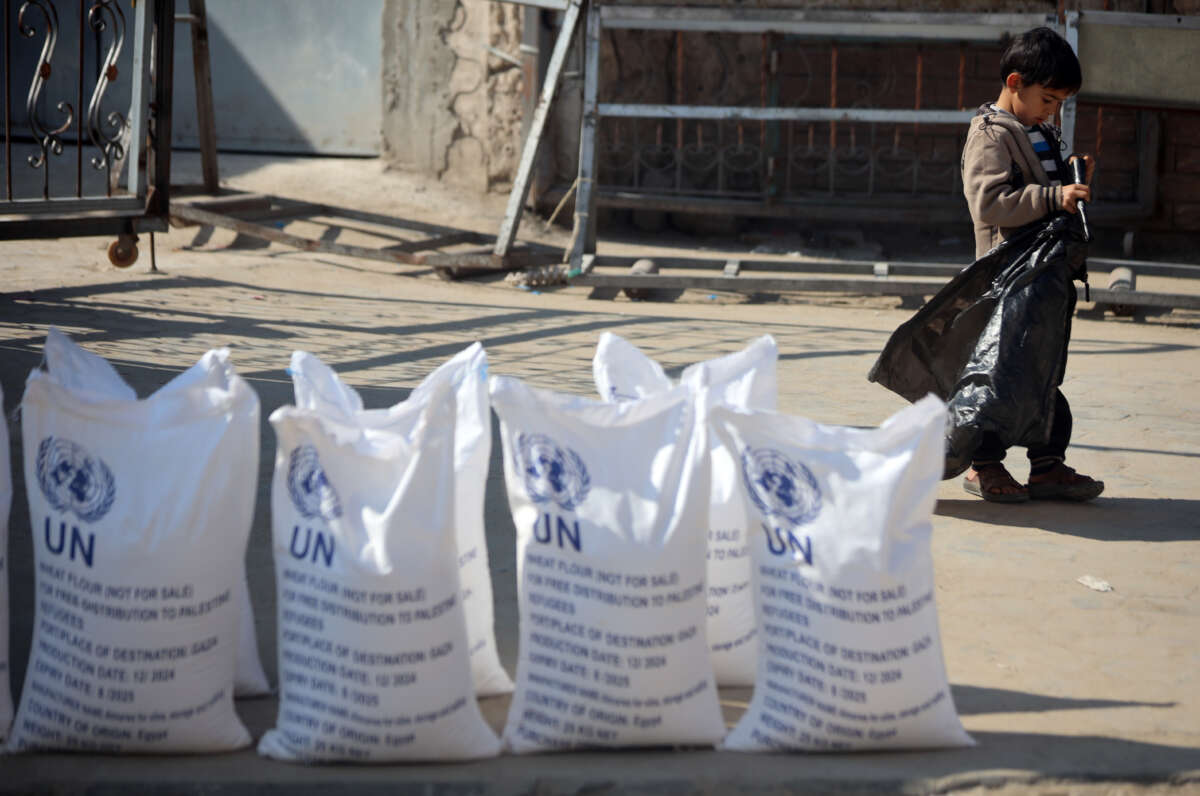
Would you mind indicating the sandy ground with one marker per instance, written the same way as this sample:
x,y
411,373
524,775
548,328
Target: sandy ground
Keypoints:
x,y
1065,689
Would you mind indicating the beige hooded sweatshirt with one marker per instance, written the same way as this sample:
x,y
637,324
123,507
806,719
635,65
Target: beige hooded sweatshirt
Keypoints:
x,y
1003,179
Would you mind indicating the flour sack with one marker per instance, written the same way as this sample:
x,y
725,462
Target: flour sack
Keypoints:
x,y
849,652
744,379
609,502
140,512
319,388
374,663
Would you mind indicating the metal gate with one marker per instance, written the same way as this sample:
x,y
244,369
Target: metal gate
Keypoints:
x,y
87,98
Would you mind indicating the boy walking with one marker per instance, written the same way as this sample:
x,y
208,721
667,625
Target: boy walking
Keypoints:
x,y
1013,175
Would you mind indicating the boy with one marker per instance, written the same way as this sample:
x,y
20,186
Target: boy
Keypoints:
x,y
1012,176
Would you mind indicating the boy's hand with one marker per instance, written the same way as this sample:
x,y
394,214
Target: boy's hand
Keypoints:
x,y
1073,193
1091,167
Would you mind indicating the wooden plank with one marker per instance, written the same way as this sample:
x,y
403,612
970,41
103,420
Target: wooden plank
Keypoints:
x,y
491,261
475,260
206,123
520,189
438,242
392,221
199,216
231,203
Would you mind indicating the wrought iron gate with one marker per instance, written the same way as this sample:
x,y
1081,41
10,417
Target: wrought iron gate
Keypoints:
x,y
100,168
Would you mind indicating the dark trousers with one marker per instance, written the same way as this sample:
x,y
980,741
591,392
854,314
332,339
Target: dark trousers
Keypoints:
x,y
1053,450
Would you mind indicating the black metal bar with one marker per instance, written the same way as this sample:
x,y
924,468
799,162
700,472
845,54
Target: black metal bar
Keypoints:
x,y
78,215
47,138
7,101
79,104
103,15
159,181
107,223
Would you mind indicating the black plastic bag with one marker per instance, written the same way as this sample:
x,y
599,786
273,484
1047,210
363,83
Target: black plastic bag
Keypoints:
x,y
993,342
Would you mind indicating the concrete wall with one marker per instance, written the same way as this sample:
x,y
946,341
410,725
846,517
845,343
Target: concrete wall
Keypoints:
x,y
450,107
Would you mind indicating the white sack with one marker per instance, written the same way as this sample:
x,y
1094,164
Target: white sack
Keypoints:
x,y
92,379
249,679
319,388
609,503
374,664
849,652
140,513
6,706
745,379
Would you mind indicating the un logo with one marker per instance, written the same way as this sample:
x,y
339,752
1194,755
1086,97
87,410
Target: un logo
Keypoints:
x,y
780,487
73,480
551,473
311,492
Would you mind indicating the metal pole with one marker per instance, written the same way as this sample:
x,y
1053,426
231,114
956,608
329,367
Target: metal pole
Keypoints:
x,y
7,102
79,109
679,101
833,59
583,238
520,189
1068,107
143,29
962,76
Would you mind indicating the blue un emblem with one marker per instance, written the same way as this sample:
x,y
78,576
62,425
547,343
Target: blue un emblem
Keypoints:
x,y
311,492
781,487
73,480
551,473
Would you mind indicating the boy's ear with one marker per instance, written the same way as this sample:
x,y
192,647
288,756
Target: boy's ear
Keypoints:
x,y
1013,81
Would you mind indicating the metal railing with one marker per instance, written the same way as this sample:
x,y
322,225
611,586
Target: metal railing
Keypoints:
x,y
890,151
63,160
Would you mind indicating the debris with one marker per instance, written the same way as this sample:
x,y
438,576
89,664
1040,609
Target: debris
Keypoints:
x,y
644,266
538,276
1094,583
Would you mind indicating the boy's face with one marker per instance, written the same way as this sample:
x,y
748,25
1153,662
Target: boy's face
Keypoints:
x,y
1034,103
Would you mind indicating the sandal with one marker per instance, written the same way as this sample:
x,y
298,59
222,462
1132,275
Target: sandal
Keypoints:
x,y
1066,484
990,478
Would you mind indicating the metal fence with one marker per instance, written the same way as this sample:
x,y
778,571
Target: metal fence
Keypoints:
x,y
823,115
87,98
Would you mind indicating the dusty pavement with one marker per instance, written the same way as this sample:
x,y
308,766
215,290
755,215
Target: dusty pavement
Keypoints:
x,y
1065,689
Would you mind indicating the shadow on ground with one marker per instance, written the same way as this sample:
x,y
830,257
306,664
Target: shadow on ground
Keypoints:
x,y
973,700
1105,519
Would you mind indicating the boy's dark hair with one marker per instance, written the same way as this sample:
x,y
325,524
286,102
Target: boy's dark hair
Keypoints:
x,y
1042,57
